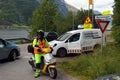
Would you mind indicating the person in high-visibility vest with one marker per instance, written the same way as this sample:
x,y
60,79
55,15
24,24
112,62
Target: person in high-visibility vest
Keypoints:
x,y
39,43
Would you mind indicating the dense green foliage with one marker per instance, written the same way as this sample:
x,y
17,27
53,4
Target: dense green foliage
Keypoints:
x,y
116,22
16,11
43,17
58,22
48,18
116,15
81,16
94,65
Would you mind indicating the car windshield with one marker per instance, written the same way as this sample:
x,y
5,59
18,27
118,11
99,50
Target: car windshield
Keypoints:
x,y
63,37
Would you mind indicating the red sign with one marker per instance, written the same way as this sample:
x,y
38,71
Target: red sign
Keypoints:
x,y
88,20
102,25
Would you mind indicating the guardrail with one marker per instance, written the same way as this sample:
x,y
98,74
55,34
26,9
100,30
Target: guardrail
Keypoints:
x,y
19,40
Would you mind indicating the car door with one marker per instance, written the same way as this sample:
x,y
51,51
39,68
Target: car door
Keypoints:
x,y
74,43
3,50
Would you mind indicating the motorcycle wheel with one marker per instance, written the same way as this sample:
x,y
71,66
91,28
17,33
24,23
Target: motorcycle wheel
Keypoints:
x,y
53,73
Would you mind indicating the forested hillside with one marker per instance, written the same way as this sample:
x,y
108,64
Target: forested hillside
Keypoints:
x,y
16,11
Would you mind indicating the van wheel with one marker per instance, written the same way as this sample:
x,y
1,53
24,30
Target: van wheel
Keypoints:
x,y
61,52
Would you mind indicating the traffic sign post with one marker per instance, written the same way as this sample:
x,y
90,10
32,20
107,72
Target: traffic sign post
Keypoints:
x,y
102,24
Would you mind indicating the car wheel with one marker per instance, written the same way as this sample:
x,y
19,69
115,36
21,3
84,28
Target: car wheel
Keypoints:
x,y
13,55
61,52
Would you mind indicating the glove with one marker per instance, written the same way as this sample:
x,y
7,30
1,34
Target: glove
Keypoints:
x,y
51,49
39,50
36,46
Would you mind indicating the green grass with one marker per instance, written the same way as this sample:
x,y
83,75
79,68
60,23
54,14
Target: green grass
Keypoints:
x,y
94,65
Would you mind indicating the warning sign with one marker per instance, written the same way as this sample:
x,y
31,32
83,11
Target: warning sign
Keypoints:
x,y
88,23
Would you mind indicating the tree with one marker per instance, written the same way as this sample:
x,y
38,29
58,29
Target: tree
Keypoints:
x,y
42,17
58,22
68,23
116,15
116,22
80,17
25,8
16,11
8,13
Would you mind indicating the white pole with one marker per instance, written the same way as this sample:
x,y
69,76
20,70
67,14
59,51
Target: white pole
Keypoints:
x,y
102,44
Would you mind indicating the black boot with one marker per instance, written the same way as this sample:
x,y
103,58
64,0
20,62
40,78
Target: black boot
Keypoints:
x,y
37,73
31,62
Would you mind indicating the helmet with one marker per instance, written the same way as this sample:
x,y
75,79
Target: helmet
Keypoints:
x,y
40,32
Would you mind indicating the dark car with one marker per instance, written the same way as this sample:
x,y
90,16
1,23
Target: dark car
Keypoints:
x,y
8,50
51,35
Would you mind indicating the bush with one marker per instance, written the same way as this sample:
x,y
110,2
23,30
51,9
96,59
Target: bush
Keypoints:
x,y
116,34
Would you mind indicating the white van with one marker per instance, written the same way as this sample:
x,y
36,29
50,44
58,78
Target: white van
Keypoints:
x,y
77,41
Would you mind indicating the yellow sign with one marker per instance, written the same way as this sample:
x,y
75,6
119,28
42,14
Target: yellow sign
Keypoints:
x,y
107,12
90,2
88,23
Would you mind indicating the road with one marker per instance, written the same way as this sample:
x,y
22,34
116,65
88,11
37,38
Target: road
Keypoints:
x,y
21,70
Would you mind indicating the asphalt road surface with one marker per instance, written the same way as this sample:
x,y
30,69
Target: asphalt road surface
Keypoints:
x,y
21,70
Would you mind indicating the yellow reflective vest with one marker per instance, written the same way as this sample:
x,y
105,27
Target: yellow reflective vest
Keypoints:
x,y
41,44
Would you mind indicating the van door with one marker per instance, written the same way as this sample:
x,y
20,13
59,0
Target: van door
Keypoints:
x,y
74,43
87,41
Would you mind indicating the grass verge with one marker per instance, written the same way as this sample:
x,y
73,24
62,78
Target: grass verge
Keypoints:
x,y
94,65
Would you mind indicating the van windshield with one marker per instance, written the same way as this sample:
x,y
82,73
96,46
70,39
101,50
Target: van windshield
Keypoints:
x,y
63,37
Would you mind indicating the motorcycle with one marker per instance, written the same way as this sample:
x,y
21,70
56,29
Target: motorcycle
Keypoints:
x,y
47,66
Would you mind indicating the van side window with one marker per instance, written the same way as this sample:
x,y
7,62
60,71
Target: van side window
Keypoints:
x,y
74,37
